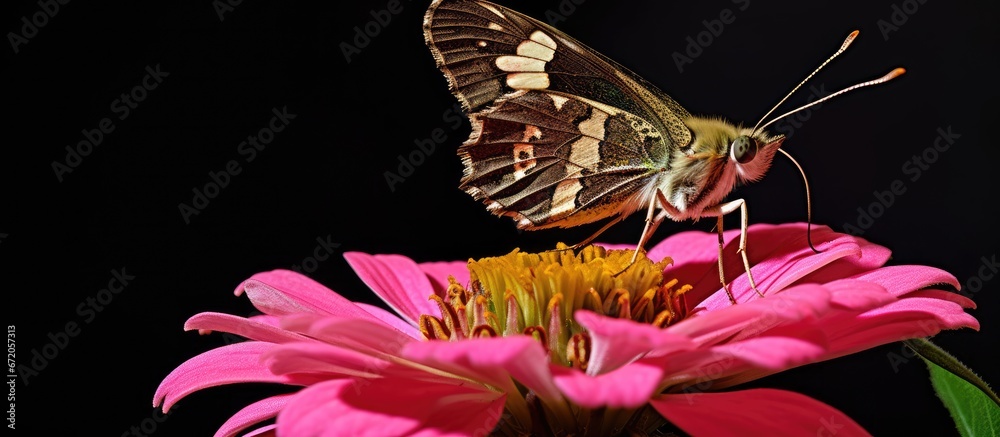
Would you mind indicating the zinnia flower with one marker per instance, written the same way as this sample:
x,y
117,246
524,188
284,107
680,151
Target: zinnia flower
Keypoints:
x,y
560,343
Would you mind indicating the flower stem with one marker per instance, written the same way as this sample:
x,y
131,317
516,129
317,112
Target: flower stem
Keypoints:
x,y
933,353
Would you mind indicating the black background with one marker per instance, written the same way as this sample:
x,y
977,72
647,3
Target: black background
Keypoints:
x,y
324,176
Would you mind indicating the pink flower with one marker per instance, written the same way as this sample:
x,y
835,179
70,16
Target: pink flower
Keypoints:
x,y
552,343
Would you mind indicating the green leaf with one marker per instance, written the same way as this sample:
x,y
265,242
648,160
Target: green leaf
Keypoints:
x,y
973,405
973,412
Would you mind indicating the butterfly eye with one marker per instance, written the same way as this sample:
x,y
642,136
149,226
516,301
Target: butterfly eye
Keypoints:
x,y
744,149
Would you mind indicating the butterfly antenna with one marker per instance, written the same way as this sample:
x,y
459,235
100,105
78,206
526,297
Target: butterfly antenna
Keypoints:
x,y
843,47
809,213
888,76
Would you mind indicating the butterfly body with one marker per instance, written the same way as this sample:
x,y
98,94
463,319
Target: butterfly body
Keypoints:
x,y
563,136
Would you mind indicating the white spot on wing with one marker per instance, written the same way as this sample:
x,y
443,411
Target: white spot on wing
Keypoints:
x,y
496,26
559,101
514,64
585,152
528,81
528,67
564,199
594,126
534,49
481,43
543,39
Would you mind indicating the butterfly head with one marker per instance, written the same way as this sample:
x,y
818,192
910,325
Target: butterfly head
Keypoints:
x,y
752,153
725,147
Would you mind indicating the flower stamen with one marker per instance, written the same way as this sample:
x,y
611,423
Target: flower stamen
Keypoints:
x,y
537,295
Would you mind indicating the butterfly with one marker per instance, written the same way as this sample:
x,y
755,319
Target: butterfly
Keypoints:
x,y
563,136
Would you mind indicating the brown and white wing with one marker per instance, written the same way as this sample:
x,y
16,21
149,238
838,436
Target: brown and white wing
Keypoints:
x,y
561,135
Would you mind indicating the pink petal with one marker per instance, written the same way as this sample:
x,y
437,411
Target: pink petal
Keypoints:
x,y
759,411
870,256
398,281
327,360
266,319
849,332
904,279
369,337
438,273
392,320
630,386
747,319
281,292
856,296
700,370
779,257
230,364
956,298
776,350
780,348
616,342
911,317
781,268
696,251
492,361
247,328
254,413
390,407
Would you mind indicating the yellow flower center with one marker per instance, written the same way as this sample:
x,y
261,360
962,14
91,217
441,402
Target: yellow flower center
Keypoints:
x,y
536,294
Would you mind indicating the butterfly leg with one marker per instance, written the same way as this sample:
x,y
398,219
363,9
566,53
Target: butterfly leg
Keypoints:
x,y
653,222
722,270
591,238
720,211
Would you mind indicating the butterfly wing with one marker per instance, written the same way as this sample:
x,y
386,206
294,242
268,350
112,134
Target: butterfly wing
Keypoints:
x,y
561,135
